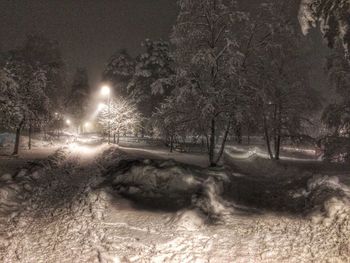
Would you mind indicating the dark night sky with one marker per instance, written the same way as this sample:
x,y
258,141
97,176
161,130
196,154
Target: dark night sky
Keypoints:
x,y
89,31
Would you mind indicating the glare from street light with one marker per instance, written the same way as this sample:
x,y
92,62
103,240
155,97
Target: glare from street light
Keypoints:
x,y
105,90
86,124
101,106
68,122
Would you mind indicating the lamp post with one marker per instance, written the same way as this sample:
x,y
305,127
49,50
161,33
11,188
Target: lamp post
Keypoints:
x,y
106,92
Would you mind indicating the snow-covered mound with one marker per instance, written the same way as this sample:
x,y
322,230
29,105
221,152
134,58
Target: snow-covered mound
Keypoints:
x,y
14,189
110,158
163,184
328,199
169,185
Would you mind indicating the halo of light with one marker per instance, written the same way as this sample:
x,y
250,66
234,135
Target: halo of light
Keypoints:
x,y
105,90
101,106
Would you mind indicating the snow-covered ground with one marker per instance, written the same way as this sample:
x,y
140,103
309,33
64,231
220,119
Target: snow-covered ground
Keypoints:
x,y
86,203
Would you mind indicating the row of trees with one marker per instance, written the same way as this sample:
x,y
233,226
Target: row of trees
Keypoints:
x,y
140,80
34,93
332,18
30,81
225,69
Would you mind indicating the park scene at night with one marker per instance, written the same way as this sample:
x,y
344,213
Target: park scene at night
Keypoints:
x,y
175,131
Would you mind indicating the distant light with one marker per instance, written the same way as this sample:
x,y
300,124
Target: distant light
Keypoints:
x,y
56,113
105,90
68,122
86,124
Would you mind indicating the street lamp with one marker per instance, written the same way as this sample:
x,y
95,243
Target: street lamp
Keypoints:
x,y
106,92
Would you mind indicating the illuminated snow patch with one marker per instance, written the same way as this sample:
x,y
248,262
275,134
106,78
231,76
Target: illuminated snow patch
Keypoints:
x,y
76,148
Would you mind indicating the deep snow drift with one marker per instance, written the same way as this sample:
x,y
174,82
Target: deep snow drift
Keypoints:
x,y
114,208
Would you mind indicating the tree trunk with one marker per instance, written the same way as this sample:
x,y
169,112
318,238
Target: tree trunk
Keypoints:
x,y
114,139
202,144
222,148
277,147
171,143
267,138
30,137
118,137
212,143
18,136
239,133
207,141
278,134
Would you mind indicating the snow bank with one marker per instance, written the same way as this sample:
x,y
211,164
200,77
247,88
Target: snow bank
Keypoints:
x,y
163,184
327,199
169,185
14,189
110,158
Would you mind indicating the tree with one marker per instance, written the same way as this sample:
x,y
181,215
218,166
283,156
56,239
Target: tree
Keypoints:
x,y
148,86
28,100
206,58
38,69
276,72
171,123
120,116
42,53
10,111
336,116
119,72
333,18
78,101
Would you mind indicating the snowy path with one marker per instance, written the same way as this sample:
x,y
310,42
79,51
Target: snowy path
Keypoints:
x,y
66,219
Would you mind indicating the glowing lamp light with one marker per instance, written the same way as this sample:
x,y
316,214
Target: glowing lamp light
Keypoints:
x,y
105,90
68,122
87,124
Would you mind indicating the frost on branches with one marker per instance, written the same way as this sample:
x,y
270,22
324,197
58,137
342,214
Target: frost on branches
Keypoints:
x,y
336,116
28,102
206,57
31,83
119,71
282,98
118,117
333,18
